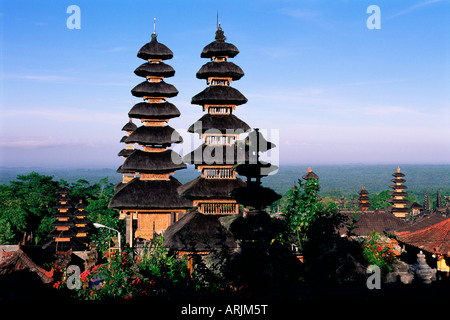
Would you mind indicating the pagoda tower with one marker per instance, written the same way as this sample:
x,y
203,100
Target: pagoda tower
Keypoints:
x,y
63,232
149,201
399,203
219,128
363,199
82,225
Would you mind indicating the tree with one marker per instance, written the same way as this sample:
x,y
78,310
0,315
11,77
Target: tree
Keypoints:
x,y
312,223
24,205
379,200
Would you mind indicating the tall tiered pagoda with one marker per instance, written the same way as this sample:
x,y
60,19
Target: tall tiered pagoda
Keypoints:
x,y
82,225
63,232
399,203
219,128
149,202
363,199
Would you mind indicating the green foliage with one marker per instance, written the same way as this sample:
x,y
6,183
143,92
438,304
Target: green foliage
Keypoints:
x,y
308,219
27,205
380,252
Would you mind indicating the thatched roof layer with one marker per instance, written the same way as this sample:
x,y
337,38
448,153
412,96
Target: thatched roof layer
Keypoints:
x,y
154,89
219,95
153,162
216,154
145,110
149,194
219,49
201,188
220,69
160,69
146,135
198,232
155,50
220,123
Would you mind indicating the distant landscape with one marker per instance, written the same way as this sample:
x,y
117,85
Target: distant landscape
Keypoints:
x,y
335,180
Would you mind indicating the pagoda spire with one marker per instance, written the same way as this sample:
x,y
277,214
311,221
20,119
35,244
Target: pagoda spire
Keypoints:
x,y
147,197
399,203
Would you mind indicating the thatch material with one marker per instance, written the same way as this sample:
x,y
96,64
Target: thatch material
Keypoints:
x,y
153,162
379,221
220,69
198,232
201,188
149,194
154,89
125,152
216,154
219,95
145,110
155,50
155,69
130,126
148,136
219,49
220,123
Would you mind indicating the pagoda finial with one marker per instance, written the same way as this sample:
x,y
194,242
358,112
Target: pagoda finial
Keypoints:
x,y
309,170
398,169
363,188
154,30
219,33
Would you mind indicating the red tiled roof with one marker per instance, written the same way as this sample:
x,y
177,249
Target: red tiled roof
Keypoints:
x,y
434,238
19,260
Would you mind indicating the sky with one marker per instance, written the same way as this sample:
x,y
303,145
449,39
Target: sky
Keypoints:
x,y
321,84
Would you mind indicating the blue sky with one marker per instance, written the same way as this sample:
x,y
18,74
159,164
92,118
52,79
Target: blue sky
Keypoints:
x,y
324,86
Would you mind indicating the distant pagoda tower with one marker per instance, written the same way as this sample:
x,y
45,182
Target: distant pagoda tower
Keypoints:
x,y
219,128
310,175
426,203
363,199
82,225
149,202
63,232
439,202
399,203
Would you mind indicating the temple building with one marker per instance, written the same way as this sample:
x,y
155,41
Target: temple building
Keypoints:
x,y
147,197
219,128
201,230
399,203
363,199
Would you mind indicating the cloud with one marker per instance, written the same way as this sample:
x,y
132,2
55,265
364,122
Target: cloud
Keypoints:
x,y
40,78
415,7
66,115
302,14
25,143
